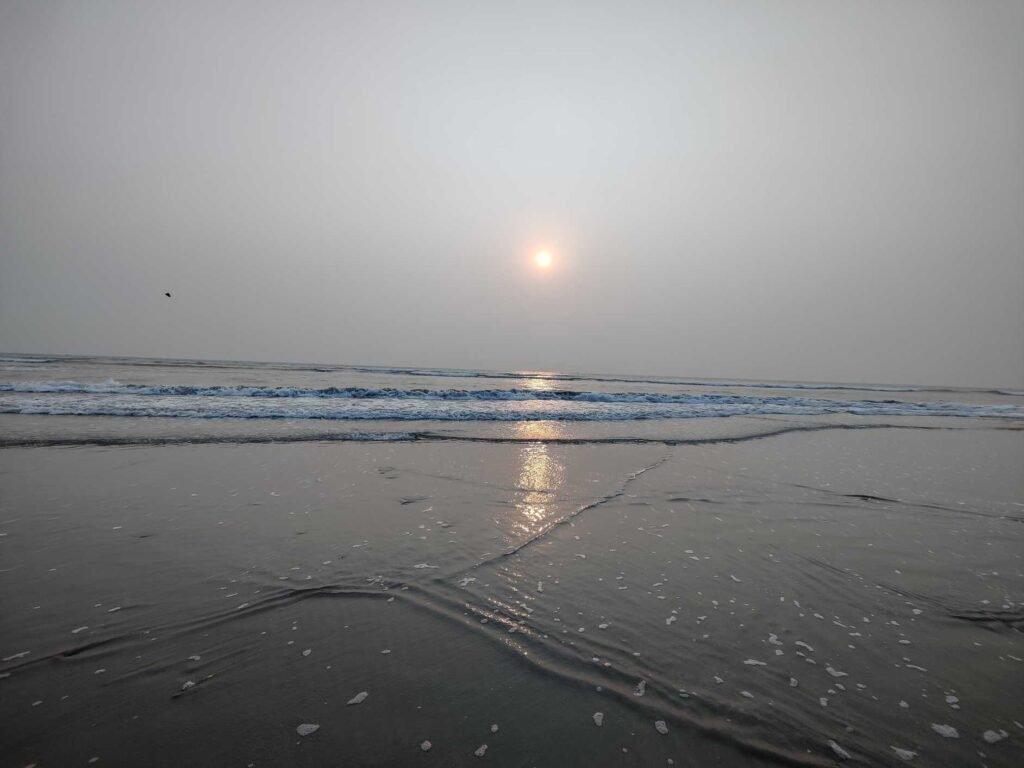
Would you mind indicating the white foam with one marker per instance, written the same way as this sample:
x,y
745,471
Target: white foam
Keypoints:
x,y
841,753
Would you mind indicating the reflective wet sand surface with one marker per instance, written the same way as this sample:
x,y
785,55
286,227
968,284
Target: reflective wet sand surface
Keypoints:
x,y
802,598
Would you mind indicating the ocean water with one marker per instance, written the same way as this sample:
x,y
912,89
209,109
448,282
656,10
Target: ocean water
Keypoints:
x,y
350,396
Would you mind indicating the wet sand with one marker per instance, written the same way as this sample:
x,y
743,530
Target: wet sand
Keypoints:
x,y
804,598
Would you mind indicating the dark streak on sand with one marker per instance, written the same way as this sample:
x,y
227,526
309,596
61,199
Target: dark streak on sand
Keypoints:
x,y
432,437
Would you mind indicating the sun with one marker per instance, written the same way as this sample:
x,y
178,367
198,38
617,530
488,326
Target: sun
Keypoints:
x,y
542,259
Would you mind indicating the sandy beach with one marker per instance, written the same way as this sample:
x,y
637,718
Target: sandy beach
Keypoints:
x,y
793,599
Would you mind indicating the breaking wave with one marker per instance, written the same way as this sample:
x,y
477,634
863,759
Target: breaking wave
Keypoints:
x,y
112,398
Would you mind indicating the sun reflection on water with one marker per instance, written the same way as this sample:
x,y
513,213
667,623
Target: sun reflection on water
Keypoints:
x,y
538,383
540,476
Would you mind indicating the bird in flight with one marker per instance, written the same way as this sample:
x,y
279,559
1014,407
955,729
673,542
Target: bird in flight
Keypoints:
x,y
168,295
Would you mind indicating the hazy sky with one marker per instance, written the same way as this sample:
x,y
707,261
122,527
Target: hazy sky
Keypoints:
x,y
790,190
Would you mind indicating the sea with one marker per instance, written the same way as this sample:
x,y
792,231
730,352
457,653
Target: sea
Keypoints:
x,y
162,399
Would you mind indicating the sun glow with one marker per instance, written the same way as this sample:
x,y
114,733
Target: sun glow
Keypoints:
x,y
542,259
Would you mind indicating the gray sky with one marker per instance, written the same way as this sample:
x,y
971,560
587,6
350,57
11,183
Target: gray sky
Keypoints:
x,y
789,190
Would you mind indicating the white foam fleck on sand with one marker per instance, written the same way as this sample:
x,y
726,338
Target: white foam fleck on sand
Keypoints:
x,y
841,753
670,620
481,750
774,639
904,754
802,644
661,727
602,626
359,698
641,688
835,672
494,727
307,728
946,731
823,701
425,746
79,629
14,656
307,652
793,682
993,737
598,718
188,684
719,680
748,694
755,663
904,705
385,652
738,581
421,566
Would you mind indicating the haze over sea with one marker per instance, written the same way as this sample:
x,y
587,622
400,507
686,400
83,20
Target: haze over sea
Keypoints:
x,y
288,563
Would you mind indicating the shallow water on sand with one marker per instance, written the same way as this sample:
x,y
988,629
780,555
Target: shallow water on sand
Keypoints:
x,y
741,593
